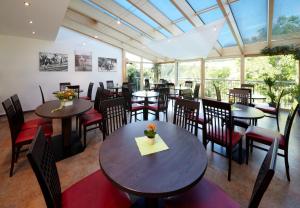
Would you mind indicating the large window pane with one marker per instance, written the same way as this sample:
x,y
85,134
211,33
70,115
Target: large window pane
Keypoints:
x,y
200,5
149,72
133,69
189,71
224,73
167,71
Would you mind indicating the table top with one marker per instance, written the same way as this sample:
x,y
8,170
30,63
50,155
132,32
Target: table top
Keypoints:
x,y
246,112
182,88
156,175
79,106
145,94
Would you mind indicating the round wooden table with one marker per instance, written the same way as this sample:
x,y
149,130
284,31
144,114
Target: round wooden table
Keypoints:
x,y
246,112
68,143
157,175
146,95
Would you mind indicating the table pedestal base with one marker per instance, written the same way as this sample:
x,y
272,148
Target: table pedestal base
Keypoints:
x,y
62,152
148,203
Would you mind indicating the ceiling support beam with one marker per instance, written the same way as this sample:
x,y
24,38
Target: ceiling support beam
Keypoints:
x,y
270,21
231,23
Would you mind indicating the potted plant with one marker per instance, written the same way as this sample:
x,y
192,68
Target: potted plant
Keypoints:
x,y
150,132
270,82
66,97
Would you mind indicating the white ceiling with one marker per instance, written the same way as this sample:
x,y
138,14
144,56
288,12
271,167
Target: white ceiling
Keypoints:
x,y
47,17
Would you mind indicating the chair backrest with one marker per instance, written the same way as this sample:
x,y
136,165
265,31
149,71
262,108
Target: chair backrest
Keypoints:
x,y
90,90
248,86
42,161
196,90
162,100
289,123
218,123
101,85
125,84
114,114
218,93
188,84
76,89
13,119
18,108
186,113
97,99
42,94
240,95
109,84
186,94
147,84
127,94
63,85
264,176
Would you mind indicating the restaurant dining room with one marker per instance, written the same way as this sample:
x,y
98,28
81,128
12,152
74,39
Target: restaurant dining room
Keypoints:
x,y
150,103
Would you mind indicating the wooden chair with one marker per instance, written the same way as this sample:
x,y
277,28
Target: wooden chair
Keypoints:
x,y
109,84
92,117
89,92
147,84
92,191
218,128
240,96
188,84
161,105
114,114
76,89
42,94
248,86
266,137
20,136
218,93
132,106
207,194
272,112
196,92
172,92
101,85
187,94
186,113
63,85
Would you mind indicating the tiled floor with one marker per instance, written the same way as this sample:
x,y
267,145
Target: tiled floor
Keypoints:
x,y
22,190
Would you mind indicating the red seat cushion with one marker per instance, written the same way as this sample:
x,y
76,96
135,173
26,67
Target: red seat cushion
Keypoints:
x,y
34,123
152,107
200,119
94,191
236,137
85,98
204,195
137,107
266,109
27,135
92,118
265,136
91,111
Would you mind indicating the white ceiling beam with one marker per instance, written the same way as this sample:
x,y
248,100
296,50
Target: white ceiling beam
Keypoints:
x,y
270,22
231,23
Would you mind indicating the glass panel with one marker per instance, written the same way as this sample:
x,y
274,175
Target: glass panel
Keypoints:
x,y
149,72
132,57
167,72
133,74
189,71
184,25
167,8
165,32
224,73
251,19
283,68
200,5
286,18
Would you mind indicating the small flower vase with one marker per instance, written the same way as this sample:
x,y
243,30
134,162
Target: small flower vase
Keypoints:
x,y
150,141
66,103
150,136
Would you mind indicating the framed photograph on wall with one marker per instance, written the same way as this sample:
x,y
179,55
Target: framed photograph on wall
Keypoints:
x,y
107,64
53,62
83,61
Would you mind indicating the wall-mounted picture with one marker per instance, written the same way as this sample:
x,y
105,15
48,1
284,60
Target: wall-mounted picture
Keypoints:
x,y
107,64
83,61
53,61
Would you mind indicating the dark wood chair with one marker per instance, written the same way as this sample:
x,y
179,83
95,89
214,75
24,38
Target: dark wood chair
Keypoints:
x,y
76,89
92,191
89,92
32,123
92,118
20,136
101,85
161,104
207,194
196,92
132,106
219,128
266,137
114,114
147,84
187,94
186,113
109,84
218,93
172,92
188,84
272,112
240,96
248,86
42,94
63,85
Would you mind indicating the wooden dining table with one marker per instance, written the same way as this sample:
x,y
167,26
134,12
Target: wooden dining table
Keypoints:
x,y
145,94
68,143
158,175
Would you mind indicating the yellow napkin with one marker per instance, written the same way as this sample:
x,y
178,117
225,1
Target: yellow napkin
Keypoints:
x,y
146,148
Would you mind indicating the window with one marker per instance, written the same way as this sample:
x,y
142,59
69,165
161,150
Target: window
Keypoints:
x,y
189,71
133,69
200,5
149,71
167,71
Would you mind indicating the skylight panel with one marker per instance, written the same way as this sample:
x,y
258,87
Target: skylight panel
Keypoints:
x,y
167,8
184,25
201,4
165,33
251,19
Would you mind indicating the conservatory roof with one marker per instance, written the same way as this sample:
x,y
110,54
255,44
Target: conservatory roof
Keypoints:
x,y
250,24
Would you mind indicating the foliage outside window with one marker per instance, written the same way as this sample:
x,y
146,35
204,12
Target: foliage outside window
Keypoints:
x,y
189,71
167,71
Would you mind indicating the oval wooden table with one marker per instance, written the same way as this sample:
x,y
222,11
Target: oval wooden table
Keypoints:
x,y
68,143
145,95
157,175
246,112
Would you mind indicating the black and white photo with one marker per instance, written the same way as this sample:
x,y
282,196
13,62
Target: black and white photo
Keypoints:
x,y
53,61
83,61
107,64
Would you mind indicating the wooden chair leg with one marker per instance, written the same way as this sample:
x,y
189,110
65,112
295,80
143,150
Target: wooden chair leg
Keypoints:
x,y
130,114
12,162
157,115
277,121
167,115
212,146
84,136
251,146
229,163
17,154
135,116
287,167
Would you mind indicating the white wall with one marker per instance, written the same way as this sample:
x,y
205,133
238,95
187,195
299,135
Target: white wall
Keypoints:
x,y
19,66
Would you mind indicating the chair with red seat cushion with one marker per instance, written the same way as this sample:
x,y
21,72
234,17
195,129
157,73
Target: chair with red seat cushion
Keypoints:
x,y
161,104
272,112
92,191
219,128
266,136
19,136
33,123
89,92
131,107
186,113
206,194
92,117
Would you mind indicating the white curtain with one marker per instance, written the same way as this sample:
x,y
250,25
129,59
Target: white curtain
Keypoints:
x,y
196,43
